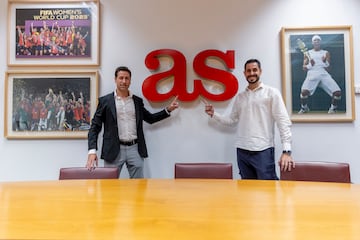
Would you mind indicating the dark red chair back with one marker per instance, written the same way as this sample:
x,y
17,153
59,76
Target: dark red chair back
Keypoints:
x,y
319,172
204,170
84,173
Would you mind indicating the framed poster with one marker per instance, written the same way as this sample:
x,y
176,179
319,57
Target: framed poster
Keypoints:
x,y
49,105
53,33
317,73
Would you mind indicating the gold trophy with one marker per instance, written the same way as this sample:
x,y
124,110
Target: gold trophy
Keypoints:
x,y
303,48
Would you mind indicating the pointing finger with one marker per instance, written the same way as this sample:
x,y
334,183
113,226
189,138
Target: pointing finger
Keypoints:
x,y
175,99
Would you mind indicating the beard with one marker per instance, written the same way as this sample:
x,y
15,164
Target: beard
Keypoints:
x,y
257,78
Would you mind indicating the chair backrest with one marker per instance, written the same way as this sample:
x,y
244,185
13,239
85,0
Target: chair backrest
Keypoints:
x,y
84,173
204,170
318,172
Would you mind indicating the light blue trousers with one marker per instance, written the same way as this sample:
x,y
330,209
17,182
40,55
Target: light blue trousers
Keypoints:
x,y
130,156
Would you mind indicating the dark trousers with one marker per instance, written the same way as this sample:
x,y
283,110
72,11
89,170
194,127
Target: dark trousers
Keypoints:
x,y
257,164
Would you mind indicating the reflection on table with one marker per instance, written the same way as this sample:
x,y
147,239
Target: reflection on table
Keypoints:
x,y
179,209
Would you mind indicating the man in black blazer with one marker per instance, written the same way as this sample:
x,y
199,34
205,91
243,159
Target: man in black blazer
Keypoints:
x,y
122,115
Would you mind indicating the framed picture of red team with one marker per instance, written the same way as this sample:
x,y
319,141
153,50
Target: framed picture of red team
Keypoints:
x,y
49,105
53,33
317,73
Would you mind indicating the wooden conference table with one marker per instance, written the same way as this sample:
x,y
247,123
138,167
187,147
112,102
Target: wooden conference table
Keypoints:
x,y
179,209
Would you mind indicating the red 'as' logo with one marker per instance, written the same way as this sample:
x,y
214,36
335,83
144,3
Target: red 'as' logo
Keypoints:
x,y
178,73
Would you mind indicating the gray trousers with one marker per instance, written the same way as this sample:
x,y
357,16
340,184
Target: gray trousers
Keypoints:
x,y
130,156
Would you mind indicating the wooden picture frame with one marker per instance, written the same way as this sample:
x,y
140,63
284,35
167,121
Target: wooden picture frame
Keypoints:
x,y
53,33
49,105
311,102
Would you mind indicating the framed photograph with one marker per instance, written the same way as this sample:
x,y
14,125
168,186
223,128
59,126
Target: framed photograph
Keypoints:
x,y
317,73
53,33
49,105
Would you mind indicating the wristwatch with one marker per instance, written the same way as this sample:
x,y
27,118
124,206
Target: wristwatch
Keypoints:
x,y
288,152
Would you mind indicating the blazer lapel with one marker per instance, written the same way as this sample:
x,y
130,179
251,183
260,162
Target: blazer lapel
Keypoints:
x,y
112,106
137,110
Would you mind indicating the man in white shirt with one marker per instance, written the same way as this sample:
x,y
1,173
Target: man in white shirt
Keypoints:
x,y
257,110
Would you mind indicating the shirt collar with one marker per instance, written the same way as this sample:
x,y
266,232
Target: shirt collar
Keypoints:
x,y
116,97
261,85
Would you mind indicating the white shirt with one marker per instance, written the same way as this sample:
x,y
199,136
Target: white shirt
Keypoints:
x,y
126,121
318,56
256,112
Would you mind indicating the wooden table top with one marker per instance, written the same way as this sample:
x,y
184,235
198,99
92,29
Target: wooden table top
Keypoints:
x,y
179,209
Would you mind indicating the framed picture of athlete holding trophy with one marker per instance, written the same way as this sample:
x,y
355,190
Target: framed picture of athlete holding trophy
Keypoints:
x,y
49,104
317,73
53,33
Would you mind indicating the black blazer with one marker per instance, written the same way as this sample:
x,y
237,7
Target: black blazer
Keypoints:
x,y
106,115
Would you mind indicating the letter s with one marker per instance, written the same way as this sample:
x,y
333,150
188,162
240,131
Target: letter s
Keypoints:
x,y
229,81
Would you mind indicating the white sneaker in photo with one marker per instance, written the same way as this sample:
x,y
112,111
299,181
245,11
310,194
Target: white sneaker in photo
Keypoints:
x,y
304,109
332,110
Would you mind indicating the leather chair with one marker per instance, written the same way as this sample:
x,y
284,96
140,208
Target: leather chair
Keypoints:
x,y
319,172
84,173
204,170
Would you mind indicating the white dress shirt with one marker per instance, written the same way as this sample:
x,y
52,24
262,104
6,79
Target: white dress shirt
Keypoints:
x,y
256,112
126,121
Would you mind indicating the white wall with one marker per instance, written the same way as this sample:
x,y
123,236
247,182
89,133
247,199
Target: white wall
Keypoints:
x,y
131,29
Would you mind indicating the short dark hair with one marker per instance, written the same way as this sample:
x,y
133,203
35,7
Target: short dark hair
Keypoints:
x,y
122,68
252,60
